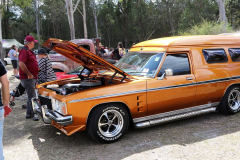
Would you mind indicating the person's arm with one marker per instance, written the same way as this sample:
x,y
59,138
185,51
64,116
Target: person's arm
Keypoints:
x,y
5,89
25,70
15,54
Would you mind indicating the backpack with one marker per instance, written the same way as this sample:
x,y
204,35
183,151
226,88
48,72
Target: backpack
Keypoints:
x,y
122,52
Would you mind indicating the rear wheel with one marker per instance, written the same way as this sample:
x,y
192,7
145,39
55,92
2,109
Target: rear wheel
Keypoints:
x,y
108,123
231,101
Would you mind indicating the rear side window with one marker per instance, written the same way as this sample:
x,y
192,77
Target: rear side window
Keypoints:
x,y
215,55
178,63
235,54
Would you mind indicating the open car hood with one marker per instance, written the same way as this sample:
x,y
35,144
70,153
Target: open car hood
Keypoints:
x,y
82,56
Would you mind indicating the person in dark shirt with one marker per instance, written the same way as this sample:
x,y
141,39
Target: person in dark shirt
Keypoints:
x,y
4,101
28,71
115,53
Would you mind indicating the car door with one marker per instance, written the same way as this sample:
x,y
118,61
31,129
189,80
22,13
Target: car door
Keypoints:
x,y
172,92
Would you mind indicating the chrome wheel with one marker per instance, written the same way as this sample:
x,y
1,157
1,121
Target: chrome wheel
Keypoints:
x,y
110,123
234,99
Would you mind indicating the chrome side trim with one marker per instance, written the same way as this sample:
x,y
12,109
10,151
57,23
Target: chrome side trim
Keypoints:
x,y
106,96
177,112
172,118
160,88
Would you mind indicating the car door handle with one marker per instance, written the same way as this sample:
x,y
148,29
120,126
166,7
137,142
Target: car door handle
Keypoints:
x,y
189,78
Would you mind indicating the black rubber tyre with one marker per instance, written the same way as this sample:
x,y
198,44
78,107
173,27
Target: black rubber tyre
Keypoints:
x,y
57,70
108,123
5,63
231,101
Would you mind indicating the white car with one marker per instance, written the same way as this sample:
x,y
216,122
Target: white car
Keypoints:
x,y
7,61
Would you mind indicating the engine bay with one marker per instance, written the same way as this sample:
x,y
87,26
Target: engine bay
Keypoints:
x,y
85,80
84,84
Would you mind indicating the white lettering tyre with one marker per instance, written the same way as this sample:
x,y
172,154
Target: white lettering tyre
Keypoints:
x,y
108,123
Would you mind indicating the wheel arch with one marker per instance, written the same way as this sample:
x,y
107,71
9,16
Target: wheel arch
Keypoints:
x,y
235,84
60,66
113,102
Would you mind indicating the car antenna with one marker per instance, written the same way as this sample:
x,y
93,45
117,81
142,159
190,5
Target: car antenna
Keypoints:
x,y
148,38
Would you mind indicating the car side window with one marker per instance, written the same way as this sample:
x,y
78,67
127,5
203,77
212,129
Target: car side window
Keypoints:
x,y
235,54
178,63
215,55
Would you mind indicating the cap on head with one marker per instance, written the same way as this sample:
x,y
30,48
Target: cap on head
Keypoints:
x,y
42,51
29,39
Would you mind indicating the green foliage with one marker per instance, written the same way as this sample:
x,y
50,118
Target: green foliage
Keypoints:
x,y
23,3
126,21
207,28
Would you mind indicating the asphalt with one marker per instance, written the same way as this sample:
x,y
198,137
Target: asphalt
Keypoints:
x,y
212,136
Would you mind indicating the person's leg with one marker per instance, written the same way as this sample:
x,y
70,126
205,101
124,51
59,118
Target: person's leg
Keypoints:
x,y
1,133
14,64
29,85
14,71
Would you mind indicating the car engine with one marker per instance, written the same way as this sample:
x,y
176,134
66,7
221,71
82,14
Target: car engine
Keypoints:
x,y
75,87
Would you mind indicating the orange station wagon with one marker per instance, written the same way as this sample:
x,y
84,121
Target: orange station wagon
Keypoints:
x,y
158,81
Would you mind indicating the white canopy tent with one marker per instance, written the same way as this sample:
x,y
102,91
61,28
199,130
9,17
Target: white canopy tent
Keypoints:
x,y
7,43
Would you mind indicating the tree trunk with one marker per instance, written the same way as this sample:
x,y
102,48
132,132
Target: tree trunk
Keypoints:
x,y
95,17
222,13
84,20
36,9
70,18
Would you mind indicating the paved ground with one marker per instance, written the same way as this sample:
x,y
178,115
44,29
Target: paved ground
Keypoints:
x,y
211,136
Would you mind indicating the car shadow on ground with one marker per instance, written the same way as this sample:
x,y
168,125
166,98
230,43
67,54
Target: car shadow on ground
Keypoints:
x,y
51,143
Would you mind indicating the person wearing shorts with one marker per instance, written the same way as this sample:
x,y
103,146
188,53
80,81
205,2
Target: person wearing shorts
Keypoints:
x,y
14,58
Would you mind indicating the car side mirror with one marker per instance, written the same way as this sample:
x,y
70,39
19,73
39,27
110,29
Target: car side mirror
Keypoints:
x,y
168,72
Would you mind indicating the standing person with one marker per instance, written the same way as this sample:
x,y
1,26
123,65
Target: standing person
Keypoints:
x,y
106,51
28,73
17,53
118,53
46,73
14,58
4,101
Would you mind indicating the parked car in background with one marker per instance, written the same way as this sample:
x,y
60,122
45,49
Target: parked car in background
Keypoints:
x,y
7,61
72,73
61,63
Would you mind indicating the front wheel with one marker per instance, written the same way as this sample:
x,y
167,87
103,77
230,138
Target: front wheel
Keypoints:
x,y
108,123
231,101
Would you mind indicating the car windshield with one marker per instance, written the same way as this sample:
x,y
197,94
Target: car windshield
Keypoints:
x,y
76,70
140,64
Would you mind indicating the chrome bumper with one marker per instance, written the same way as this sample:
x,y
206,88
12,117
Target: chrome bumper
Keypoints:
x,y
62,120
49,115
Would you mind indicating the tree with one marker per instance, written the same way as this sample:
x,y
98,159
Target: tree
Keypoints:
x,y
69,6
70,12
95,14
222,13
3,3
